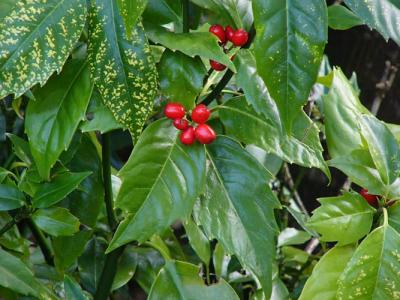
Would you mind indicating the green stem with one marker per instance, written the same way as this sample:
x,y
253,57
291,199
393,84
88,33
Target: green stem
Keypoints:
x,y
41,241
108,195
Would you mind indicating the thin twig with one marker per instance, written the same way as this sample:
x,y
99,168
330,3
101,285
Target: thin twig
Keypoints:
x,y
42,242
293,188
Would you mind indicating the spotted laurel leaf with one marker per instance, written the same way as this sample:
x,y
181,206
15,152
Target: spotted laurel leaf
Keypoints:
x,y
122,68
36,37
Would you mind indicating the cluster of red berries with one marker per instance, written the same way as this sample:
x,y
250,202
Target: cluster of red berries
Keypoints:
x,y
200,114
371,199
238,38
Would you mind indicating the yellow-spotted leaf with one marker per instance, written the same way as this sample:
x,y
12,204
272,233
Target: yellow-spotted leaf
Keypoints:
x,y
121,65
36,37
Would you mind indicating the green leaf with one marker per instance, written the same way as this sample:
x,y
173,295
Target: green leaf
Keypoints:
x,y
73,291
56,221
294,255
383,148
289,45
323,282
203,44
122,67
341,18
304,148
181,77
270,161
131,10
87,202
35,40
198,240
160,183
292,236
180,280
126,268
10,197
342,109
382,15
60,186
16,276
372,271
345,219
149,264
99,117
164,12
49,130
21,148
394,216
68,248
242,221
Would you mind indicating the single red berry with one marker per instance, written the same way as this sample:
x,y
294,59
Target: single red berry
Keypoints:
x,y
187,136
240,37
181,124
217,66
229,33
218,31
371,199
174,111
205,134
200,114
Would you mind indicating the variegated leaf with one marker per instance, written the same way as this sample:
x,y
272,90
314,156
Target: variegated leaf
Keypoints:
x,y
36,37
122,68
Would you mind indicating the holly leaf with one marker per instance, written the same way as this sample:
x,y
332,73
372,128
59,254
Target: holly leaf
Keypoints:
x,y
160,183
121,66
341,18
323,282
56,221
181,280
45,35
372,271
64,95
289,46
226,208
345,219
382,15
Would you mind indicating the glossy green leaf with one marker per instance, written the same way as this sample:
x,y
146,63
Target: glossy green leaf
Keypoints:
x,y
21,148
289,45
341,18
16,276
304,148
91,263
87,202
164,12
292,236
149,264
72,289
10,197
68,248
372,271
345,219
323,282
294,255
180,280
198,240
382,15
160,183
383,148
394,216
49,130
181,77
203,44
60,186
56,221
122,67
126,268
270,161
342,109
242,221
131,10
98,116
36,38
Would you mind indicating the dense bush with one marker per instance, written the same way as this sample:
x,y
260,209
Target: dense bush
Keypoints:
x,y
147,150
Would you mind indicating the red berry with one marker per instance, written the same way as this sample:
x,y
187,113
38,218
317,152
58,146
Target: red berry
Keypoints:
x,y
219,31
371,199
200,114
181,124
187,136
240,37
217,66
205,134
229,33
174,111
